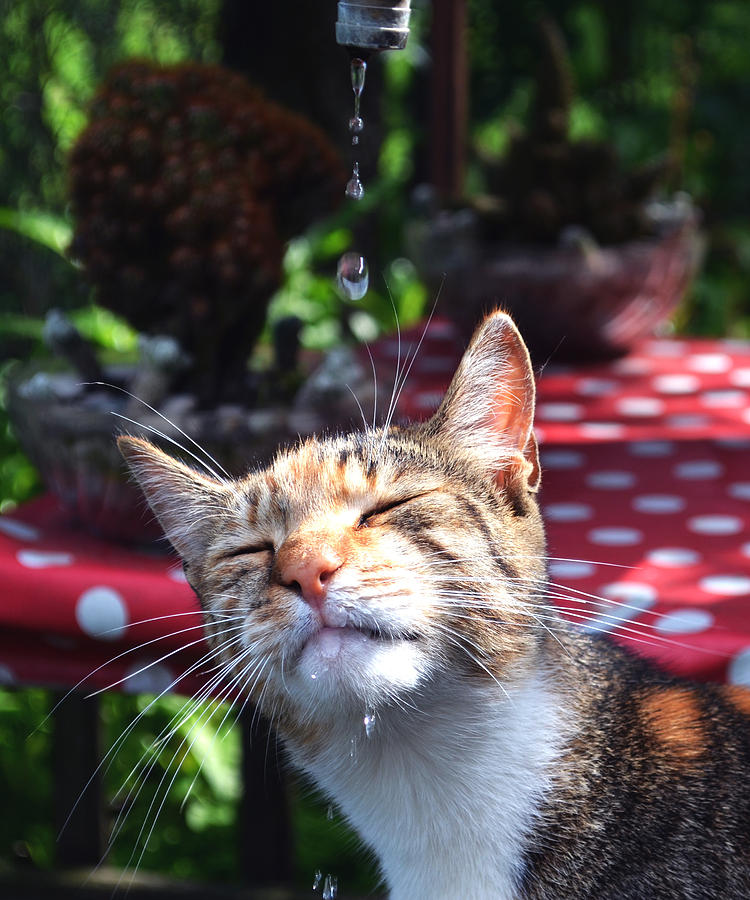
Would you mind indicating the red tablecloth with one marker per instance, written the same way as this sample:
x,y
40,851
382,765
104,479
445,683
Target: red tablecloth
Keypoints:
x,y
646,492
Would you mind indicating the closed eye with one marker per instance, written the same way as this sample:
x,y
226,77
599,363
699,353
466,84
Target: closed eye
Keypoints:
x,y
384,508
248,550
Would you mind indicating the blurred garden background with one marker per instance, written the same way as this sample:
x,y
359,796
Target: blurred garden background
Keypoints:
x,y
667,83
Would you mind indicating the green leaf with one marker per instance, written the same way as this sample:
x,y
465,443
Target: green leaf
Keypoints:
x,y
45,228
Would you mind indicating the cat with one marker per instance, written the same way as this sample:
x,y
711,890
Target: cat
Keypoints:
x,y
387,593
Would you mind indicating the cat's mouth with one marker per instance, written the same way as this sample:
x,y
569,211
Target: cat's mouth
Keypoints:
x,y
371,632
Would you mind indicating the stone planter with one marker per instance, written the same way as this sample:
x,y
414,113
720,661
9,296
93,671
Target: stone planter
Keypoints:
x,y
68,430
575,301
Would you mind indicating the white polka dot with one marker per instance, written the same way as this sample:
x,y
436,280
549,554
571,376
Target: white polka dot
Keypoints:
x,y
684,621
570,568
143,678
562,459
428,400
740,378
610,481
726,585
640,406
595,387
615,537
698,469
687,420
15,529
733,443
673,557
632,593
666,349
709,363
657,504
745,550
724,399
40,559
559,412
101,613
740,490
568,512
7,677
718,525
738,671
177,573
602,431
540,435
432,364
745,415
632,365
651,448
676,384
621,602
442,328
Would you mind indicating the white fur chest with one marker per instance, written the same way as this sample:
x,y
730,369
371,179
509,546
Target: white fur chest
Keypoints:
x,y
447,795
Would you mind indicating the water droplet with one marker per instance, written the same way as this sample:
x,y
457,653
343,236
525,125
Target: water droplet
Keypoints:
x,y
354,188
313,675
369,723
352,276
353,749
356,125
329,812
318,877
330,887
358,72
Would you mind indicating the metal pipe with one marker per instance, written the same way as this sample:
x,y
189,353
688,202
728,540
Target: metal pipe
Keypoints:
x,y
367,25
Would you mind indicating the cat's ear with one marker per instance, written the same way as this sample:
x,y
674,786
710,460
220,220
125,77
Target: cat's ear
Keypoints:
x,y
488,409
188,504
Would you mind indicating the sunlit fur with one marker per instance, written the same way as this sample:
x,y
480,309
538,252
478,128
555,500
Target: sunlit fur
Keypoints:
x,y
431,692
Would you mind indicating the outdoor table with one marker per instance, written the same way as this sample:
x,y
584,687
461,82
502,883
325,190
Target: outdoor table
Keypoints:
x,y
645,490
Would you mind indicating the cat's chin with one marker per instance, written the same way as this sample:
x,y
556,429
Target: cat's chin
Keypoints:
x,y
337,661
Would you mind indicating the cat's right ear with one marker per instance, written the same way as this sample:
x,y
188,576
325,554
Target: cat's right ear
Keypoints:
x,y
187,503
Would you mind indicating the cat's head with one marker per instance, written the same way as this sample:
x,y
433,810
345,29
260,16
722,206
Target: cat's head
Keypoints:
x,y
355,570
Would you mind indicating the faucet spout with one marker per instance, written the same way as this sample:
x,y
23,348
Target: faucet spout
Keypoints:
x,y
368,25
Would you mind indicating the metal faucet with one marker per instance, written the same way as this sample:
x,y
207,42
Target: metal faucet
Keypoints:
x,y
367,25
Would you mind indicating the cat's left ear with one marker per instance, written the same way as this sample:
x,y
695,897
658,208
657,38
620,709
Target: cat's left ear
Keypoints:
x,y
488,409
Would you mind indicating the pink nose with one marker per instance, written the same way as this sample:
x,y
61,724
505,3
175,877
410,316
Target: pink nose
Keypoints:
x,y
308,571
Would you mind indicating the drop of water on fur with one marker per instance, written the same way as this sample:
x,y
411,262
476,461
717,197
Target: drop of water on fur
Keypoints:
x,y
353,749
330,887
369,723
352,276
329,812
317,878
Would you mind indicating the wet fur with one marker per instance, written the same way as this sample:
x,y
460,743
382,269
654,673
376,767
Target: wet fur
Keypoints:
x,y
507,755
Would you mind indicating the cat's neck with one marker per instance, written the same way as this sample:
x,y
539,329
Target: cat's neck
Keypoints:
x,y
446,794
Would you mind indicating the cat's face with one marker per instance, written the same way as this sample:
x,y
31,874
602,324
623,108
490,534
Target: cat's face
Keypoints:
x,y
355,570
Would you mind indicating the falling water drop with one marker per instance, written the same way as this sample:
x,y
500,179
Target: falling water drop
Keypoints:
x,y
358,72
317,878
330,887
354,188
369,723
352,276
